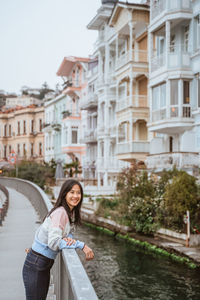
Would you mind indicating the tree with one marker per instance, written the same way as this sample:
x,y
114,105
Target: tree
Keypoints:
x,y
181,194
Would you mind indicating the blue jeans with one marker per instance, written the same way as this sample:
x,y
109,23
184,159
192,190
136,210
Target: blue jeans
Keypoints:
x,y
36,276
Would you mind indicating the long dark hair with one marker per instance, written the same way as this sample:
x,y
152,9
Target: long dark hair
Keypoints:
x,y
61,201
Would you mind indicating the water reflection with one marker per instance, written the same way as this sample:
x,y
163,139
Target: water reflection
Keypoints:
x,y
122,272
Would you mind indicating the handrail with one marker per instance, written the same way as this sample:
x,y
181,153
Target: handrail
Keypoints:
x,y
4,205
69,277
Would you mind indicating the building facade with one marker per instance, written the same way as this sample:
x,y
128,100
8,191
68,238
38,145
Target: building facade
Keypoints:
x,y
21,131
73,70
174,68
129,48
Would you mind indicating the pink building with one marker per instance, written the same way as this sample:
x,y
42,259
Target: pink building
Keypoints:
x,y
73,70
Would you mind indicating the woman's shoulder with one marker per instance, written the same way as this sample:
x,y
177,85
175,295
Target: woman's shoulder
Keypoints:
x,y
59,216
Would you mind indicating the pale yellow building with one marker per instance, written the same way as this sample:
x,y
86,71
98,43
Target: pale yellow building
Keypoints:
x,y
129,47
21,131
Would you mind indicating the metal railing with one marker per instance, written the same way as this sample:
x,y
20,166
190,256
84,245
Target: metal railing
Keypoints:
x,y
69,277
4,202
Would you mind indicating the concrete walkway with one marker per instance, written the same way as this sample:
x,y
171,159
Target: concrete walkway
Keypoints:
x,y
16,234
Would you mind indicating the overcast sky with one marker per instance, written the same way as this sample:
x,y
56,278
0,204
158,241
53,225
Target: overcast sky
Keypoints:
x,y
35,35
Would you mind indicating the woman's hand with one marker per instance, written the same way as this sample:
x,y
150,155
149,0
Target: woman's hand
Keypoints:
x,y
69,241
89,254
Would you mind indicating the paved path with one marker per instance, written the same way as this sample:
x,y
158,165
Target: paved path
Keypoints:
x,y
16,234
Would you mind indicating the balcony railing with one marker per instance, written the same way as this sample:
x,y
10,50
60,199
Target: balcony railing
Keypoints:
x,y
174,112
135,56
110,163
133,147
90,136
168,160
178,57
90,100
132,101
159,6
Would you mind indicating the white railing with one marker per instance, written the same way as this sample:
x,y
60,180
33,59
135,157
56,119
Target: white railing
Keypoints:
x,y
133,147
174,112
132,101
110,164
159,6
158,61
178,56
159,115
111,96
89,100
90,136
168,160
69,276
134,56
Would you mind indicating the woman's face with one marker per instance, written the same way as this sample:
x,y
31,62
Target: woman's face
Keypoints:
x,y
73,197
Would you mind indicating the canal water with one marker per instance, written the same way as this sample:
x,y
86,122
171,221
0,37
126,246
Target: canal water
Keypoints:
x,y
120,271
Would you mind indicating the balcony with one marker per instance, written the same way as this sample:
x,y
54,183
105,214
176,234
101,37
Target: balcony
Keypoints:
x,y
111,164
136,56
90,101
110,96
182,160
178,57
160,7
172,119
90,137
133,147
132,101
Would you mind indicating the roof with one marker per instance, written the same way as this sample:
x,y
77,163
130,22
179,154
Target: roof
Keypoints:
x,y
68,63
120,5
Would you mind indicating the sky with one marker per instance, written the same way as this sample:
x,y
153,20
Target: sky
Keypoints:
x,y
35,36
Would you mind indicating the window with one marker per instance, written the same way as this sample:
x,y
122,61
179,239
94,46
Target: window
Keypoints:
x,y
66,136
174,92
40,149
170,144
40,125
18,149
32,126
18,128
74,135
5,130
10,131
186,92
24,149
159,102
31,149
198,31
5,151
24,126
186,38
172,43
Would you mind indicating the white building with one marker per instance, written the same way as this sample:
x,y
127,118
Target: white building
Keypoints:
x,y
22,101
102,91
174,84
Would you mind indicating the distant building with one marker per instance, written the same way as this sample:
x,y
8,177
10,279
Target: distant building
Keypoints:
x,y
21,131
24,100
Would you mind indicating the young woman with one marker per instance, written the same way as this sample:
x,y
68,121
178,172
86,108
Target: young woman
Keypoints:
x,y
53,235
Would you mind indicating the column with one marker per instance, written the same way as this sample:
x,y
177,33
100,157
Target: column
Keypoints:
x,y
180,98
107,60
116,51
99,180
131,91
100,66
168,98
150,50
167,38
131,39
